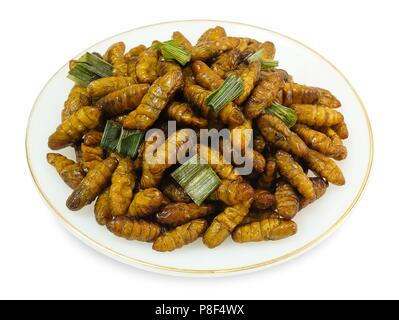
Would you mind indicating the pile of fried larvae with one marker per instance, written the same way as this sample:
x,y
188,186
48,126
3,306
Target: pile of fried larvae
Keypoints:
x,y
137,200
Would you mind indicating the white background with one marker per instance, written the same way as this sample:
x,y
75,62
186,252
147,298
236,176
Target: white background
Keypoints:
x,y
40,259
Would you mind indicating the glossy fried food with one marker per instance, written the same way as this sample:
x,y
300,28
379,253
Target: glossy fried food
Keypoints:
x,y
294,173
146,65
134,229
277,133
153,170
180,236
154,101
317,116
250,77
263,199
93,138
224,224
123,100
226,62
268,144
122,185
147,202
320,187
327,143
72,173
232,192
104,86
267,229
184,115
91,156
325,167
174,192
262,96
267,178
77,98
92,185
74,128
176,214
115,55
287,200
102,210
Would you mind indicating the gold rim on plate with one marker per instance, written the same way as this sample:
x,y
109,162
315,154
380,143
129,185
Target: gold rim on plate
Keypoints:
x,y
147,265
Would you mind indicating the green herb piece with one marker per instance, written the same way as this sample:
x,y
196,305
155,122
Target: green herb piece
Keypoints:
x,y
111,135
88,68
197,179
287,115
129,142
265,64
231,88
171,50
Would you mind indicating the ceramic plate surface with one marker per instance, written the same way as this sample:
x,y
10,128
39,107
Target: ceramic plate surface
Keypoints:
x,y
314,223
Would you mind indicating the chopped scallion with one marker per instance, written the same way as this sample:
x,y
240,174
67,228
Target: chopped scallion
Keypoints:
x,y
287,115
231,88
171,50
265,64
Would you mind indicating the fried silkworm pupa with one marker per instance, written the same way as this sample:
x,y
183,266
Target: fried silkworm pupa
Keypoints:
x,y
196,96
294,93
342,130
259,216
123,100
267,178
115,55
122,185
250,77
77,98
153,170
146,66
104,86
72,173
320,186
92,185
269,50
224,224
277,133
339,151
267,229
326,142
176,214
182,41
75,127
91,156
134,52
165,66
205,76
134,229
287,200
294,173
263,199
259,143
180,236
317,116
226,62
154,101
147,202
93,138
327,99
325,167
259,161
212,34
232,192
212,48
181,112
262,96
102,211
175,192
218,163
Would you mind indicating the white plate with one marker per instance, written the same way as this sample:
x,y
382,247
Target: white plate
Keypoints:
x,y
315,222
